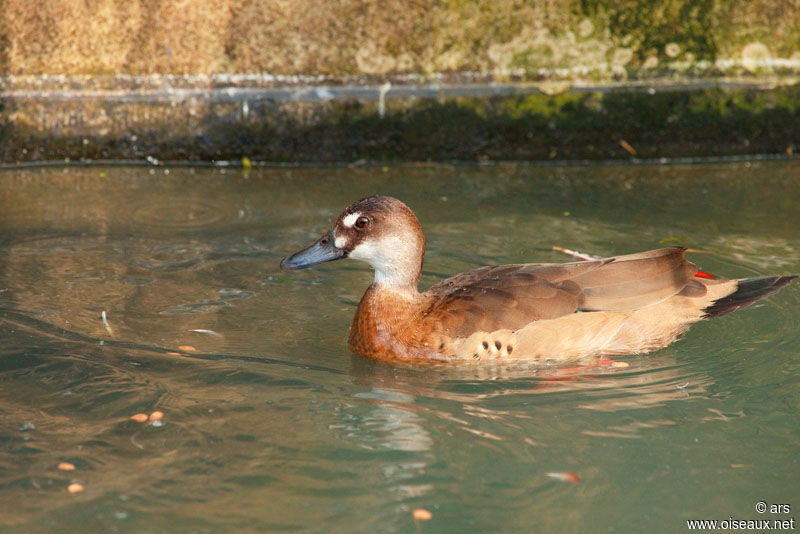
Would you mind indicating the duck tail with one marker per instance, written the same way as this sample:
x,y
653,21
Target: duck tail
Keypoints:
x,y
749,291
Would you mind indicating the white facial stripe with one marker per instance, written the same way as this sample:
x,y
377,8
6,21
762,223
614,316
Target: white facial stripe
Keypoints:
x,y
340,242
351,219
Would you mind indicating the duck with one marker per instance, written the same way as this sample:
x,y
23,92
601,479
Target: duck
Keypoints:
x,y
626,304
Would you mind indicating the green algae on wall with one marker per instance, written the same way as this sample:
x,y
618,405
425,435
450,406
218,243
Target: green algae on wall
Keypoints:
x,y
662,30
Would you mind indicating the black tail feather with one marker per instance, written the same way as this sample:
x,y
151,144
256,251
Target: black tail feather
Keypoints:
x,y
750,290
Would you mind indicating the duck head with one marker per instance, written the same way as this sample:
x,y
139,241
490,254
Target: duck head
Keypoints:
x,y
379,230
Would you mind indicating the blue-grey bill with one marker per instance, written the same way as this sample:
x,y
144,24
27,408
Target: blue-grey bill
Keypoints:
x,y
321,251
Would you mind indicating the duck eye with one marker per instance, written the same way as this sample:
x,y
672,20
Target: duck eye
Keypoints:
x,y
362,223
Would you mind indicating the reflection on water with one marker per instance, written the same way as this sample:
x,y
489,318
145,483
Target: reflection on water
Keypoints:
x,y
271,424
393,415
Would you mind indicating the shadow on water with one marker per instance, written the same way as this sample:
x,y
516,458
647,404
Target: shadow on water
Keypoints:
x,y
271,424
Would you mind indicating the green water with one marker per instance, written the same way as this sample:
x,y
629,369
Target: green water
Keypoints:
x,y
271,424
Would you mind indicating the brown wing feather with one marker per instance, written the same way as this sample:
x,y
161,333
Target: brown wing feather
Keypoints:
x,y
637,280
512,296
512,300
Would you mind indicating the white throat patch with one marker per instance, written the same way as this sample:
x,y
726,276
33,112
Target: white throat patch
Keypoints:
x,y
390,258
351,219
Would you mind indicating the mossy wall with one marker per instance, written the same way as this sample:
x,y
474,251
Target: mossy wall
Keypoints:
x,y
533,126
545,79
371,37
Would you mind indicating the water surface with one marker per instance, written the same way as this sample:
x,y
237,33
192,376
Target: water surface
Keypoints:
x,y
271,424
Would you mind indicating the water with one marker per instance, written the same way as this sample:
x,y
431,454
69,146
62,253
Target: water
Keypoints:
x,y
271,424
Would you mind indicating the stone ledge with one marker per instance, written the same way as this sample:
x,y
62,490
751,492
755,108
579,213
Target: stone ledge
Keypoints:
x,y
459,117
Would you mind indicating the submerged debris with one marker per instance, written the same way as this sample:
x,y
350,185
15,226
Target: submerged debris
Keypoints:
x,y
565,476
207,332
107,326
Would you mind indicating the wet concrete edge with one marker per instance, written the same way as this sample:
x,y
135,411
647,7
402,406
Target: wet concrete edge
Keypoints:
x,y
57,118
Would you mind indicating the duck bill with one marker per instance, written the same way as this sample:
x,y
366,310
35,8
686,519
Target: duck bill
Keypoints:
x,y
320,252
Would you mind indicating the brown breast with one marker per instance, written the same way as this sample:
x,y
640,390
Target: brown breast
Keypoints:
x,y
391,326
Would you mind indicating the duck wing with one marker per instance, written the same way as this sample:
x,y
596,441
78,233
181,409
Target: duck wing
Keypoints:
x,y
513,296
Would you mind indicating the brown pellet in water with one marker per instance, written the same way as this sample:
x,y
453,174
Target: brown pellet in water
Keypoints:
x,y
75,488
139,417
156,416
421,514
187,348
66,466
